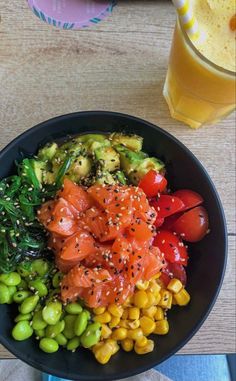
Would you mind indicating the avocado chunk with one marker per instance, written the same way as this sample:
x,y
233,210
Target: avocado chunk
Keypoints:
x,y
40,168
132,142
119,177
48,151
80,167
129,160
105,178
145,166
91,142
108,159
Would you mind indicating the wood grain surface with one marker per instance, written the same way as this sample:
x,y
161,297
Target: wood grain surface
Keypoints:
x,y
119,65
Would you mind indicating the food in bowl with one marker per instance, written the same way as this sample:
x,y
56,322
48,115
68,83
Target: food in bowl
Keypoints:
x,y
93,245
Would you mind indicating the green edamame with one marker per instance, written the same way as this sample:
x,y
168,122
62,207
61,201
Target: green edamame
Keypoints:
x,y
80,324
12,290
39,333
68,331
22,331
54,330
38,322
20,296
29,304
52,312
40,266
48,345
25,269
22,317
39,286
88,314
61,339
73,344
22,285
4,294
56,280
91,335
11,279
73,308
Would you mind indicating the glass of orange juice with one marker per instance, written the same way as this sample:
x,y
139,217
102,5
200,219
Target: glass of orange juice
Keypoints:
x,y
200,83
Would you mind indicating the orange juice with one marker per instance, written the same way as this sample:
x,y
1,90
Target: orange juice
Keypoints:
x,y
200,82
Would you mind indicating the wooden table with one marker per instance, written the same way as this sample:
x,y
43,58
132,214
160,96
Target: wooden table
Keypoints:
x,y
118,65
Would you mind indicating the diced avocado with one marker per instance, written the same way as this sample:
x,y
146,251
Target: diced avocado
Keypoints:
x,y
129,160
108,159
91,142
40,169
104,178
48,151
133,142
119,177
145,166
91,137
80,167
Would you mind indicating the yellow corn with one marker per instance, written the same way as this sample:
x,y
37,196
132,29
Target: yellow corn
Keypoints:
x,y
175,286
147,325
134,324
150,312
105,331
114,344
182,298
140,299
134,334
157,276
105,317
166,299
157,298
162,327
124,324
141,341
134,313
154,288
142,284
128,302
125,314
104,353
119,334
99,310
151,299
114,322
96,346
127,345
146,349
115,310
159,315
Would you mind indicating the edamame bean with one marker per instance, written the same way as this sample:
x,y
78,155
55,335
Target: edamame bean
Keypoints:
x,y
4,294
54,330
56,280
11,279
22,317
20,296
48,345
29,304
39,333
39,286
25,269
80,324
73,344
22,331
22,285
88,314
12,290
61,339
73,308
91,335
38,322
68,331
52,312
40,266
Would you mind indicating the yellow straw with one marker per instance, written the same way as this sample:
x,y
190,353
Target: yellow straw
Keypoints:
x,y
187,18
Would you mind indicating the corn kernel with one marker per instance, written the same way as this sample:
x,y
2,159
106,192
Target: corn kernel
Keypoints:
x,y
124,323
103,353
175,286
151,299
142,284
128,302
162,327
115,310
157,298
150,312
127,345
119,334
182,298
166,299
140,299
105,331
114,344
98,345
147,325
125,314
146,349
141,341
134,324
134,313
159,315
99,310
114,322
154,287
157,276
103,318
134,334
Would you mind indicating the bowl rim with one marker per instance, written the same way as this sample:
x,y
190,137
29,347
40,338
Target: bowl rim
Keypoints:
x,y
196,327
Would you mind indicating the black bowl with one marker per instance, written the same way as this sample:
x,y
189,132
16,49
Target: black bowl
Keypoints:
x,y
205,270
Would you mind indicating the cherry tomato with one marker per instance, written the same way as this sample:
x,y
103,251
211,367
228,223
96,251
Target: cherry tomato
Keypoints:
x,y
167,205
159,222
189,198
172,247
192,225
169,221
153,183
173,270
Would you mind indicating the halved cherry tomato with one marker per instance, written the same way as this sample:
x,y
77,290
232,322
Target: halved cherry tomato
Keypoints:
x,y
167,205
173,270
172,247
192,226
189,198
169,221
159,222
153,183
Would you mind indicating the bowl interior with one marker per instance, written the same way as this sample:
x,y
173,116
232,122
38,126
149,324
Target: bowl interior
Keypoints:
x,y
205,270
